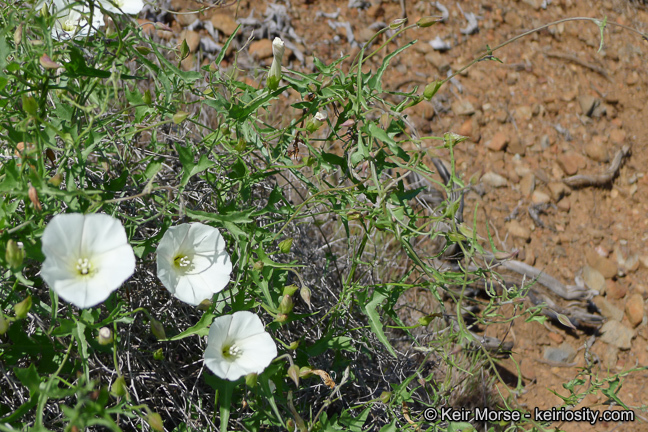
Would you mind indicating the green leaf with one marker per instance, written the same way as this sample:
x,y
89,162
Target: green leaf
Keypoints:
x,y
29,378
391,427
77,66
201,328
370,309
374,82
336,343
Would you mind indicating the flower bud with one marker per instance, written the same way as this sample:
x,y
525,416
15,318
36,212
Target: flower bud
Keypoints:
x,y
284,246
4,324
385,396
286,305
48,63
289,289
56,180
317,121
33,197
397,23
23,308
274,75
425,320
14,255
293,374
143,50
305,294
50,155
118,387
180,116
290,425
158,355
155,421
281,318
105,336
157,329
251,380
205,305
427,21
431,89
18,34
258,266
305,371
184,50
293,345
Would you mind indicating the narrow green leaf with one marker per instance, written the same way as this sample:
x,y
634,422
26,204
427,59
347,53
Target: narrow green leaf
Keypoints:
x,y
201,328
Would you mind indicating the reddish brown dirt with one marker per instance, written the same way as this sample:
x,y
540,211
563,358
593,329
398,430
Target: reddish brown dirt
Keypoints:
x,y
537,90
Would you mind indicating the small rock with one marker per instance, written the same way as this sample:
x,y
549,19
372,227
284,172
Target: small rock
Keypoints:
x,y
466,128
570,162
527,184
438,60
634,309
564,205
523,113
535,4
516,229
493,180
498,142
615,290
511,17
608,310
610,357
365,35
594,279
596,150
564,354
459,107
616,334
375,11
558,190
556,337
261,49
633,78
617,136
528,369
588,103
185,19
539,197
501,116
643,259
224,23
515,146
605,266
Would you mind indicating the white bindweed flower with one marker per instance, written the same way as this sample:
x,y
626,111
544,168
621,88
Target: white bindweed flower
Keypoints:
x,y
192,262
132,7
87,257
72,20
238,345
317,121
274,76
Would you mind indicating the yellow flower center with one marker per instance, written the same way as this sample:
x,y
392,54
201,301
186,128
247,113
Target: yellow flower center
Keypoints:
x,y
84,266
69,24
231,352
183,263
